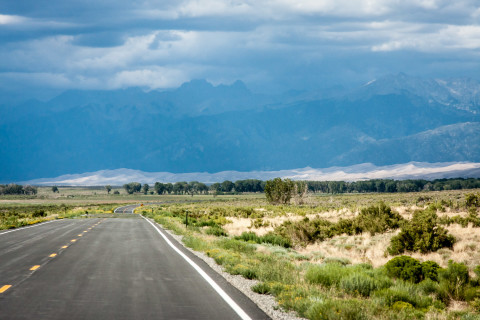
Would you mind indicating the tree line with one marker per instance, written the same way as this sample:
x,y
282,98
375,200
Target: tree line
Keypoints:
x,y
13,188
255,185
375,185
391,186
195,187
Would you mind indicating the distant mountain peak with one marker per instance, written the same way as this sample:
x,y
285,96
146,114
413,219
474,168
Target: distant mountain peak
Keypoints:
x,y
196,84
458,93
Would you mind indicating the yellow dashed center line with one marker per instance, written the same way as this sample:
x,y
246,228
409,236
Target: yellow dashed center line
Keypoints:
x,y
73,240
80,235
5,288
53,255
64,247
85,231
34,268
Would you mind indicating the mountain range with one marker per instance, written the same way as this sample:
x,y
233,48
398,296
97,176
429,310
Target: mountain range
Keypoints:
x,y
200,127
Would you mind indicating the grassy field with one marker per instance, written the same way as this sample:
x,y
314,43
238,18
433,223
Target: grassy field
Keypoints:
x,y
327,258
337,275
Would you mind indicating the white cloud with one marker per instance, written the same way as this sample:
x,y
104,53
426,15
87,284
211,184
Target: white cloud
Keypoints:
x,y
153,77
11,19
446,38
165,42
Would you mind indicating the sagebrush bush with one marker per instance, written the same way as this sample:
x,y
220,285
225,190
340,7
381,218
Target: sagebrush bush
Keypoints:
x,y
273,269
421,234
261,288
405,268
428,286
39,213
276,240
455,279
326,275
305,231
216,231
359,283
377,219
374,219
403,291
330,309
236,245
243,270
270,238
430,270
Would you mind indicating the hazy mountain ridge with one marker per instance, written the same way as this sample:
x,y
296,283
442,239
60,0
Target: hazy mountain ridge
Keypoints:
x,y
459,93
200,127
366,171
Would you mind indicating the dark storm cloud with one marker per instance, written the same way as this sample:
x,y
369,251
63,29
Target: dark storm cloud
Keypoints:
x,y
275,44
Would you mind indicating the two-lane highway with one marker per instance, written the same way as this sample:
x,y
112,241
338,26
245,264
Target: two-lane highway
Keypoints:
x,y
126,209
109,269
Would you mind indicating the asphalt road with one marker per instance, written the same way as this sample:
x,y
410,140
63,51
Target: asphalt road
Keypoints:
x,y
109,269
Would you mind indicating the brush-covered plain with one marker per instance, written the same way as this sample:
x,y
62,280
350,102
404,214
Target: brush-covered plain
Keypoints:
x,y
314,258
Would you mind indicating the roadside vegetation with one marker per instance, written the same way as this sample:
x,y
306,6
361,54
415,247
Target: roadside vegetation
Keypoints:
x,y
363,256
20,215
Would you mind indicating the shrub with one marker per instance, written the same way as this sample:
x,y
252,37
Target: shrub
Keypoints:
x,y
421,234
345,226
475,304
261,288
400,305
305,231
270,237
472,200
377,219
430,270
428,286
359,283
236,245
341,261
404,268
241,269
216,231
351,309
273,269
403,291
326,275
276,240
195,243
39,213
248,236
455,279
471,293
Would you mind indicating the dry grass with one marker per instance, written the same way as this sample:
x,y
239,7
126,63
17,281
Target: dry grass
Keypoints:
x,y
239,225
365,248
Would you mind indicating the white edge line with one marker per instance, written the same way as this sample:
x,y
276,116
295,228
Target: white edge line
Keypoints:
x,y
205,276
23,228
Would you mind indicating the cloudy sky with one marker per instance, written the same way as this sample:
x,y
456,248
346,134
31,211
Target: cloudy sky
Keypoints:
x,y
271,45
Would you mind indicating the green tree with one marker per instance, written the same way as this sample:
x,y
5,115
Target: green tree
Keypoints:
x,y
108,188
132,187
215,187
55,189
227,186
159,187
145,188
279,191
